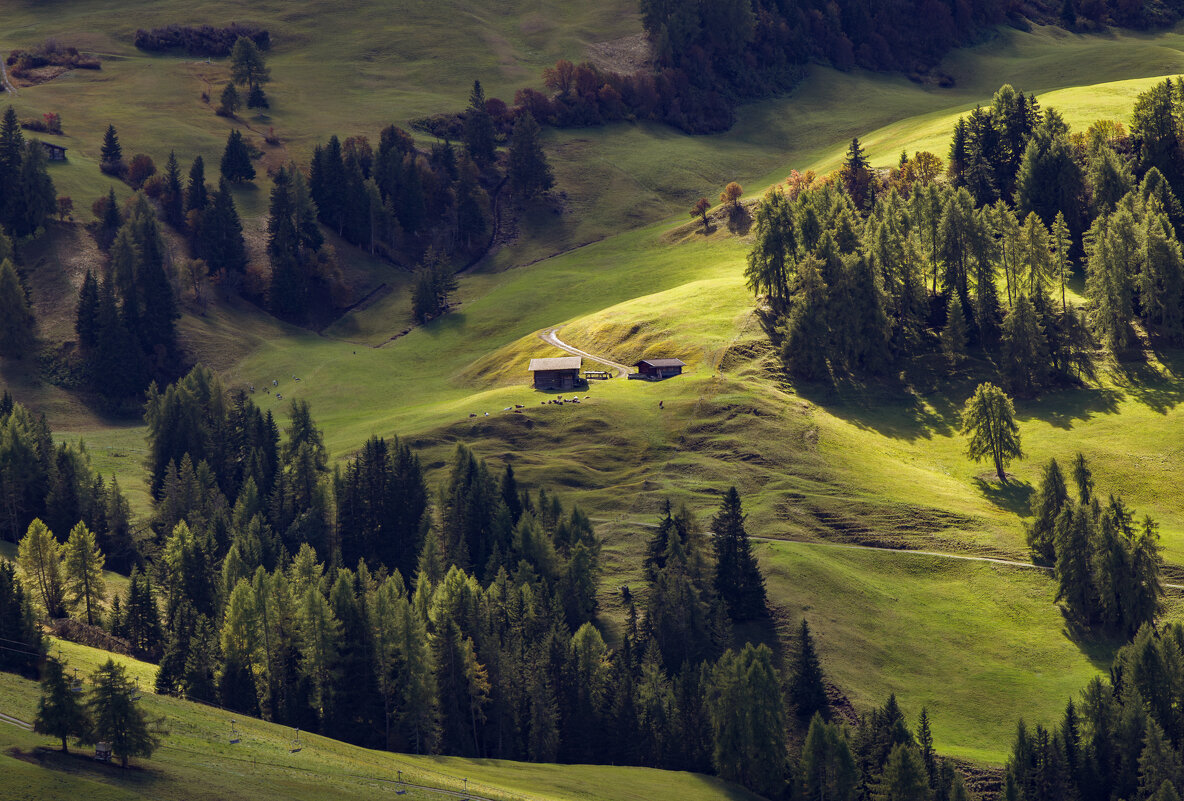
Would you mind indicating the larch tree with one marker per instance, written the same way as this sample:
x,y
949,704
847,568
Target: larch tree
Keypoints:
x,y
746,711
828,768
700,209
988,420
247,65
85,587
60,712
904,777
115,717
731,195
39,557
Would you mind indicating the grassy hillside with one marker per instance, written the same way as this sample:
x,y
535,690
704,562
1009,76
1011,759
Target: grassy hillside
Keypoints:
x,y
881,463
197,762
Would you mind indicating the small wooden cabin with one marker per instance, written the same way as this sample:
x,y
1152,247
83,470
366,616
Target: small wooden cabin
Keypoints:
x,y
54,152
657,369
562,372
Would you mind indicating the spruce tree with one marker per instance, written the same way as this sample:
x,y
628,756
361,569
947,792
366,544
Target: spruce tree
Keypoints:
x,y
236,164
748,724
478,130
228,101
528,170
1025,348
828,769
115,717
220,240
1083,478
86,321
12,143
1047,504
738,578
59,712
805,333
111,154
807,693
38,198
172,199
84,561
196,195
904,776
16,320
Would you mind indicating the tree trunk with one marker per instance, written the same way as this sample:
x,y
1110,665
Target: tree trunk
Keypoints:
x,y
65,746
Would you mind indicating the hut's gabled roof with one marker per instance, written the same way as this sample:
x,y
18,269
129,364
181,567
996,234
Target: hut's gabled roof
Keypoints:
x,y
662,363
557,363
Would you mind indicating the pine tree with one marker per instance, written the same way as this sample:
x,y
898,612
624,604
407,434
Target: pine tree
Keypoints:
x,y
988,419
528,170
59,712
16,320
236,164
738,578
84,572
115,717
807,693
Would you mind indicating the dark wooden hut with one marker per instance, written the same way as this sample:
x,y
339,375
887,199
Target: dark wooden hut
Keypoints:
x,y
562,372
657,369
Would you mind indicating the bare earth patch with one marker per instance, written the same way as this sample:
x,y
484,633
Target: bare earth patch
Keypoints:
x,y
625,55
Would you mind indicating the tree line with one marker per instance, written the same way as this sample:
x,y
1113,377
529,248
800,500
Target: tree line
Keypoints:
x,y
860,270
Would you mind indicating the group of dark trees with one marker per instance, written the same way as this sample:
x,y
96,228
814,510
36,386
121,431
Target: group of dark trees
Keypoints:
x,y
864,269
56,483
204,40
1120,739
28,200
248,70
126,315
1106,563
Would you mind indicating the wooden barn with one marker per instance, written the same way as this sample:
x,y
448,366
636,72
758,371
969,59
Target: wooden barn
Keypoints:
x,y
657,369
562,372
54,152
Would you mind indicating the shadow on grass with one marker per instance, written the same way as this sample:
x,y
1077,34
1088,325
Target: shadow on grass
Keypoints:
x,y
1063,408
1098,648
1012,496
1149,386
82,763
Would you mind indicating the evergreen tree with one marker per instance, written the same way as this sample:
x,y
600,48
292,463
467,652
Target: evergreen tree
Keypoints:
x,y
16,320
115,717
18,625
59,712
220,239
85,586
86,321
142,618
745,708
1047,504
196,195
807,693
738,579
12,143
172,198
228,101
111,154
953,335
828,769
478,130
904,777
1083,478
528,170
236,164
38,198
988,419
856,175
805,333
1025,347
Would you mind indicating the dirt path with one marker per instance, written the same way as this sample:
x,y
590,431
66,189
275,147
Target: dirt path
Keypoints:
x,y
20,724
8,87
882,549
551,338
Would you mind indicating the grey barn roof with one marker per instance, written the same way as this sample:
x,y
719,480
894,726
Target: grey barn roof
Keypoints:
x,y
557,363
663,362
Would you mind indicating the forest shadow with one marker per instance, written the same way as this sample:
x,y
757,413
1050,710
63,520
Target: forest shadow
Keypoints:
x,y
1159,391
1062,408
1012,496
1098,648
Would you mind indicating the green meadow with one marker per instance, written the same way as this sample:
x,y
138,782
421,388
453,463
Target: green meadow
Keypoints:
x,y
623,273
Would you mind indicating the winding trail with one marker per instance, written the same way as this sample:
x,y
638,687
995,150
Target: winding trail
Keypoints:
x,y
854,547
551,338
8,87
